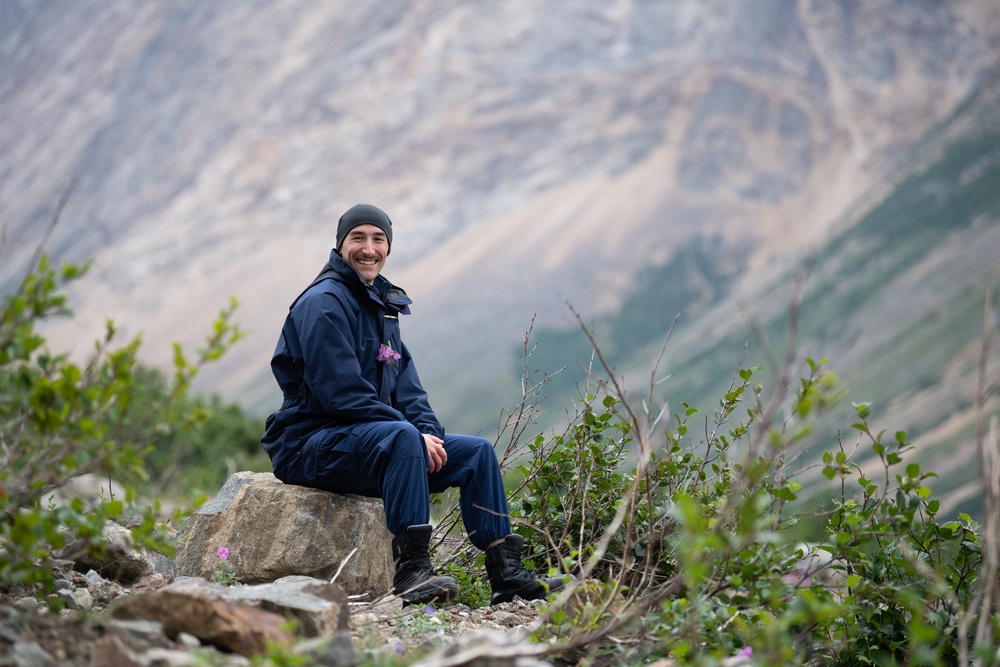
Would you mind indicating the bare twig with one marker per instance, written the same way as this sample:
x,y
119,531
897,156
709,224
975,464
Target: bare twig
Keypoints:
x,y
344,562
986,600
39,249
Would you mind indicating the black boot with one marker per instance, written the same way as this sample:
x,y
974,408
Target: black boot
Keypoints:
x,y
508,576
415,580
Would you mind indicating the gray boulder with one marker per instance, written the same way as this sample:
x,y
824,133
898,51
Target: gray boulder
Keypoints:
x,y
273,530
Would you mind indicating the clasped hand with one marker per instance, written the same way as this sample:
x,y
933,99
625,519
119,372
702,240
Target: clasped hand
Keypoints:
x,y
435,447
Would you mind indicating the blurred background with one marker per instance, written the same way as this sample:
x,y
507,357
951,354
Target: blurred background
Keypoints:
x,y
637,159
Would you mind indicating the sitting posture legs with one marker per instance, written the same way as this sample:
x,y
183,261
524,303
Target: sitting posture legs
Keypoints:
x,y
416,581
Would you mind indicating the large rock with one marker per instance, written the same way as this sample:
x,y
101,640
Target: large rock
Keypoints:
x,y
320,609
203,613
241,618
274,530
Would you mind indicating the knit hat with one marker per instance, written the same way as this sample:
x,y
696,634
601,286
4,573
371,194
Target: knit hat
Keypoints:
x,y
363,214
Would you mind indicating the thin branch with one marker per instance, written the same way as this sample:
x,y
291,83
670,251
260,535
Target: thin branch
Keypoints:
x,y
39,249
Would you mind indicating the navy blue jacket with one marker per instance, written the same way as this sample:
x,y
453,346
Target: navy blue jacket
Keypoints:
x,y
326,363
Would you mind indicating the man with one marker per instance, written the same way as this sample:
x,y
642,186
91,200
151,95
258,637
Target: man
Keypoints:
x,y
355,419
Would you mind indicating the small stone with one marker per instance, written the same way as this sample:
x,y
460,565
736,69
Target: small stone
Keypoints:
x,y
94,577
83,598
188,640
151,582
113,651
335,651
506,619
391,604
163,657
147,630
66,595
27,604
30,654
62,585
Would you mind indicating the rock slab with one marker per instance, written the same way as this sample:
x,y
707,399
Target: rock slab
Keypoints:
x,y
236,628
274,530
241,619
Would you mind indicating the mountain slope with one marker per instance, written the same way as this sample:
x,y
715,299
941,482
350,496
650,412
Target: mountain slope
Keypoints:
x,y
525,153
894,298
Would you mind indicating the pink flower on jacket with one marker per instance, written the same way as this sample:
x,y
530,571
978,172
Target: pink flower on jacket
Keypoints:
x,y
386,354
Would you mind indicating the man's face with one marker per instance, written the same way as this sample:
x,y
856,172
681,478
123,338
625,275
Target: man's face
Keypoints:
x,y
365,248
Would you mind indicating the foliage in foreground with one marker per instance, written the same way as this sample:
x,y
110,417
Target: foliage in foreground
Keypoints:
x,y
686,541
60,420
685,545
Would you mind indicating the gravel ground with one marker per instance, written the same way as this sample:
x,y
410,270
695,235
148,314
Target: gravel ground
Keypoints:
x,y
80,635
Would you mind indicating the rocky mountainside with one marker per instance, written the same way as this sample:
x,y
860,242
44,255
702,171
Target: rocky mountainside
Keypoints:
x,y
527,152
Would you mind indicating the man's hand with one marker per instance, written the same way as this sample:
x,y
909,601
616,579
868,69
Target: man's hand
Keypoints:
x,y
435,447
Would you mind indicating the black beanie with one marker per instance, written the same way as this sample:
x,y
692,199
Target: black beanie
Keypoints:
x,y
364,214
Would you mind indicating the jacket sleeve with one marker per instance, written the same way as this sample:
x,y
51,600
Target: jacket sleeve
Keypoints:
x,y
411,399
331,369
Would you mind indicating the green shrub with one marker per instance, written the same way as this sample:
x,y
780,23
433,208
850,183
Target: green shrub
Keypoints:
x,y
194,455
60,419
572,487
687,545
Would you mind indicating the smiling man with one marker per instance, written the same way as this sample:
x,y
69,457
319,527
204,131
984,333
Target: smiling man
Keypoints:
x,y
355,419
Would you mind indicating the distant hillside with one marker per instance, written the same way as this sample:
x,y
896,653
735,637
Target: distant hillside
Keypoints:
x,y
528,153
895,299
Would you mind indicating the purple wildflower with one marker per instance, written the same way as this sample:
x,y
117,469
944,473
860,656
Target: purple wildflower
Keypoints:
x,y
386,354
223,553
745,652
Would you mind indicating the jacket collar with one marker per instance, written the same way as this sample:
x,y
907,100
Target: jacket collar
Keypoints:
x,y
382,293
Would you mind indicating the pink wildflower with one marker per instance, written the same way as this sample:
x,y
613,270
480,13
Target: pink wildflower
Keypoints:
x,y
745,652
386,354
223,553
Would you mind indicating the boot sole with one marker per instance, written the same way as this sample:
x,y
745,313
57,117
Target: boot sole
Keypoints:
x,y
424,599
439,594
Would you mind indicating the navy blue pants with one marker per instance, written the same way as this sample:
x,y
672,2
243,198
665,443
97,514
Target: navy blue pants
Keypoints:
x,y
389,460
